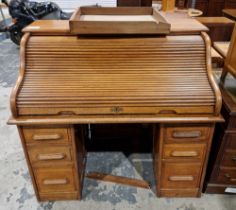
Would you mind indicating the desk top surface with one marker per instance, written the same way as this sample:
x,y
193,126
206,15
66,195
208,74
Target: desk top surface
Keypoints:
x,y
180,22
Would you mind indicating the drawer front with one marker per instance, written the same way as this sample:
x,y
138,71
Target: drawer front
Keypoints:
x,y
180,175
55,179
229,158
186,133
46,135
227,176
184,151
232,123
230,140
49,154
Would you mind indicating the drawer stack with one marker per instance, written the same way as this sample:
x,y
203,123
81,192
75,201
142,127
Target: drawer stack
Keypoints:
x,y
51,154
181,161
222,173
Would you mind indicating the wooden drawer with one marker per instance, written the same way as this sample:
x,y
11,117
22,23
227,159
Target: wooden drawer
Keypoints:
x,y
180,175
230,140
46,135
49,154
178,134
229,158
227,176
184,151
55,179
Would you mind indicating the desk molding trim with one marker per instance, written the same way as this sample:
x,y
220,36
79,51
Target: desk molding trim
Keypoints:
x,y
212,81
20,78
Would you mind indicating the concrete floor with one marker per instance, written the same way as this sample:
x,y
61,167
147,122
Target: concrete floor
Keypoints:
x,y
16,190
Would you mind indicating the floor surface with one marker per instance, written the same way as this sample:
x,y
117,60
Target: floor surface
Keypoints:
x,y
16,190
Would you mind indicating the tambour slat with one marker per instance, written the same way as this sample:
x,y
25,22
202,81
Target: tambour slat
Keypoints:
x,y
97,75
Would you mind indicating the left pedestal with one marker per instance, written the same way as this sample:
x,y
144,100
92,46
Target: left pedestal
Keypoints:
x,y
56,160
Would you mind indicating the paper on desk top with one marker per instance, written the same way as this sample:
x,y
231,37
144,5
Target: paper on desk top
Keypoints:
x,y
138,18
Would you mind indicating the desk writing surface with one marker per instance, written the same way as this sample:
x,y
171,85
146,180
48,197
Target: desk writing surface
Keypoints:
x,y
54,26
180,23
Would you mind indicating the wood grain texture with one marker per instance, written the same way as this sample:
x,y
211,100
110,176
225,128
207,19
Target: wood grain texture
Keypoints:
x,y
180,23
230,61
118,179
53,162
180,165
220,28
222,164
222,48
126,25
20,78
212,81
110,76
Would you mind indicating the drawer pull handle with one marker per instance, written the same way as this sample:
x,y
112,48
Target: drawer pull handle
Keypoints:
x,y
181,178
234,159
41,137
184,154
55,181
187,134
167,112
58,156
229,177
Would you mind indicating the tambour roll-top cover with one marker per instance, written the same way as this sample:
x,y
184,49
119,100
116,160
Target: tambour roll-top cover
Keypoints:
x,y
84,76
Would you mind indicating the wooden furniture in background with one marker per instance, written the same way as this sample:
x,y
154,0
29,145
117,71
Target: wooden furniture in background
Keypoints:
x,y
230,60
221,172
212,8
220,28
217,59
230,13
66,82
222,48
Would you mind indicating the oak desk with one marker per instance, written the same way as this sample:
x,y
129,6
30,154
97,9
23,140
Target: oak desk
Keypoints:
x,y
68,81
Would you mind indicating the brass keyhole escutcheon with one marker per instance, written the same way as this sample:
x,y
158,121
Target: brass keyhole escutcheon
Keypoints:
x,y
116,109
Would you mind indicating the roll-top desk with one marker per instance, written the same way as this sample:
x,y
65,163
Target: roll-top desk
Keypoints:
x,y
67,81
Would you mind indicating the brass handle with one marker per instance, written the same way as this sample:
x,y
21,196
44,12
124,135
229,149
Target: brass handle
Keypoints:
x,y
58,156
181,178
234,158
184,154
187,134
55,181
41,137
230,179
